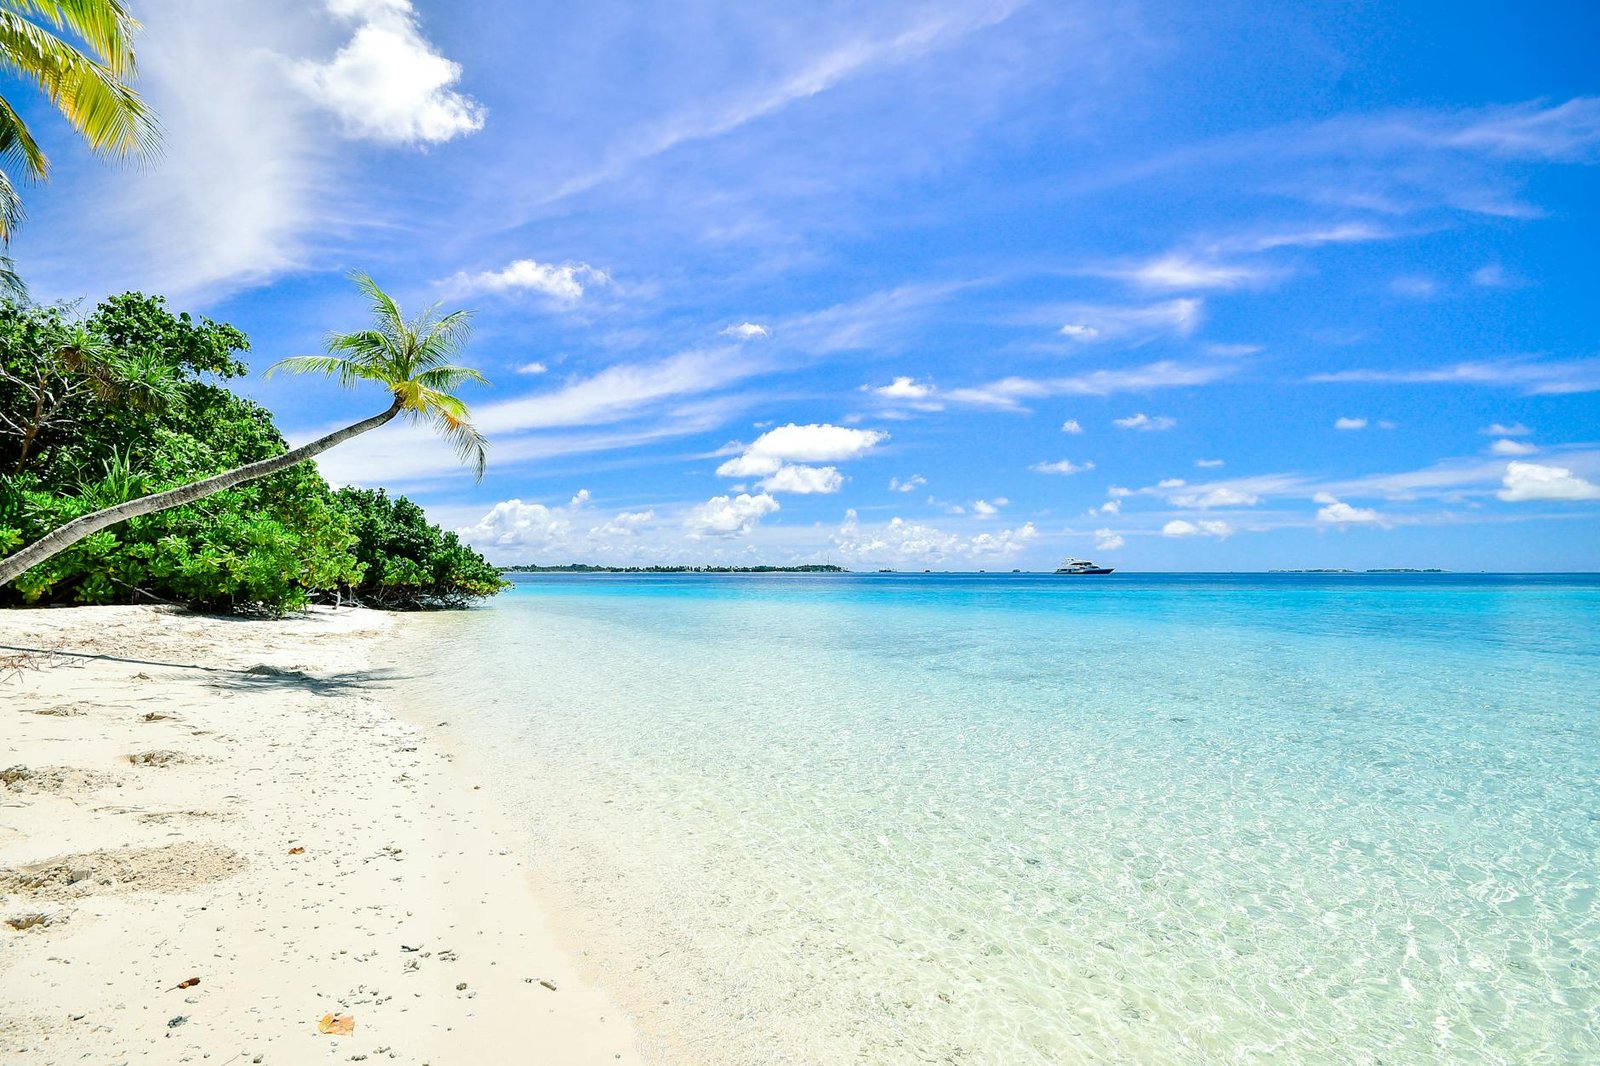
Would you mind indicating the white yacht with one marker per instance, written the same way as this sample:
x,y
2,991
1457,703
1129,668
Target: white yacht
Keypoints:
x,y
1082,566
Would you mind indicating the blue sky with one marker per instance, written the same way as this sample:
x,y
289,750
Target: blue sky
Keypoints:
x,y
951,285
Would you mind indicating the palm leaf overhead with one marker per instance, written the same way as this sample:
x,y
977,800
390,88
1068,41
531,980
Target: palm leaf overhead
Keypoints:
x,y
410,359
79,53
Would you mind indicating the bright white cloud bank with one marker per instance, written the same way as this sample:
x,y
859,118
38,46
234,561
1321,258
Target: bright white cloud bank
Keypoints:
x,y
902,541
388,83
1179,527
1336,512
780,457
1534,481
728,516
564,282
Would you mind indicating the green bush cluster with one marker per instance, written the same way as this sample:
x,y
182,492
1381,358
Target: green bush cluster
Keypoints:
x,y
124,402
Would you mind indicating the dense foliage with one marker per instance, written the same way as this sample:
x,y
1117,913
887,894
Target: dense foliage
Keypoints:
x,y
124,402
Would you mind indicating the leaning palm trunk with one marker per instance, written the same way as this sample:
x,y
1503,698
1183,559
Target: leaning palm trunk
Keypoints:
x,y
58,540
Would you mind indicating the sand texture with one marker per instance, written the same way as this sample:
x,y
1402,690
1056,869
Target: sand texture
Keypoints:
x,y
185,797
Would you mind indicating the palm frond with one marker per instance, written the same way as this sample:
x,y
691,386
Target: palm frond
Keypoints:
x,y
17,146
10,208
470,446
107,112
330,365
447,378
105,25
12,286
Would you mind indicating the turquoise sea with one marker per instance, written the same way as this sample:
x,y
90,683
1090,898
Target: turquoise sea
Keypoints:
x,y
1020,819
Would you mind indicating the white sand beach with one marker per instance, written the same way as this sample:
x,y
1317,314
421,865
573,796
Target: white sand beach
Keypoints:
x,y
213,835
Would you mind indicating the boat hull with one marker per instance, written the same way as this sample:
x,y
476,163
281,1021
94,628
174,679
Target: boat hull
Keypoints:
x,y
1087,573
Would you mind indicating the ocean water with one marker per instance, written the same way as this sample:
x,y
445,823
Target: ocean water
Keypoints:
x,y
1021,819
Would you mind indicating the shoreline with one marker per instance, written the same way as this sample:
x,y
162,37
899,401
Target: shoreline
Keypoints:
x,y
161,771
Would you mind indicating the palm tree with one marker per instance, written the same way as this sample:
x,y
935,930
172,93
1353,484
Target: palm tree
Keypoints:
x,y
410,359
86,80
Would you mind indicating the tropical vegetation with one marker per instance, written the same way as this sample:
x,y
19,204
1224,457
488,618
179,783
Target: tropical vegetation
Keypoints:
x,y
129,403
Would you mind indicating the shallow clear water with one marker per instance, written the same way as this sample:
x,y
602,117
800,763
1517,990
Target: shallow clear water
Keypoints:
x,y
1024,819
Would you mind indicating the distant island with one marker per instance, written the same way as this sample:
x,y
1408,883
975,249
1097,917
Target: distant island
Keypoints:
x,y
1386,570
589,568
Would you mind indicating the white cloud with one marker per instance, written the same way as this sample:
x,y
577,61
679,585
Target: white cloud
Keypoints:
x,y
388,83
1232,351
1005,542
804,480
1493,276
1178,271
1171,483
728,516
1515,429
1511,447
1533,481
1538,379
816,443
1062,466
910,484
1416,287
531,368
746,331
1107,540
1350,423
1008,393
1145,423
1096,322
625,524
750,465
1071,426
1221,496
1339,513
902,541
1109,507
985,509
1208,464
903,388
564,282
532,527
1180,528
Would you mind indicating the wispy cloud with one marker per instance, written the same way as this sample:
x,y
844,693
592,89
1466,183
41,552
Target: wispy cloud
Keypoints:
x,y
1533,378
1011,393
817,75
1087,323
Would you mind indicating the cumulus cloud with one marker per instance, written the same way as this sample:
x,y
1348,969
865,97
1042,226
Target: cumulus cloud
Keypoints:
x,y
1350,423
1108,540
1071,426
531,368
1171,483
1079,332
746,331
388,83
1535,481
1179,527
1338,513
1496,429
535,527
903,388
985,509
625,524
902,541
782,457
1145,423
1061,466
1109,507
728,516
1511,447
804,480
1221,496
910,484
564,282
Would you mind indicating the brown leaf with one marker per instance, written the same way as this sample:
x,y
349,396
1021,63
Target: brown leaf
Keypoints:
x,y
337,1024
297,851
190,983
